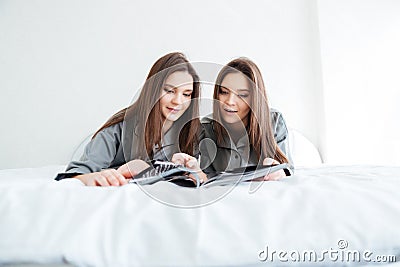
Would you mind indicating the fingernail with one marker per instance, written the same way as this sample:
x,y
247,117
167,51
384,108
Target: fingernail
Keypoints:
x,y
269,161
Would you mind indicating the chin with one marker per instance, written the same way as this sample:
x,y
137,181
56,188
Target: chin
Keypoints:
x,y
231,120
173,118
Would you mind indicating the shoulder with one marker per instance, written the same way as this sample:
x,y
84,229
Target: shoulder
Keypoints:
x,y
208,119
278,124
113,132
207,122
207,126
277,117
114,128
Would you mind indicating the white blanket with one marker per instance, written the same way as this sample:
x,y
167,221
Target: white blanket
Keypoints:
x,y
327,208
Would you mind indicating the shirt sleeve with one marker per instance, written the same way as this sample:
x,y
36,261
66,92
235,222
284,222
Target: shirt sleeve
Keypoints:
x,y
281,133
99,153
207,147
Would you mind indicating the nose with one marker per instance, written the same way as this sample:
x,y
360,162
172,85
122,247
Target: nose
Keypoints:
x,y
231,99
177,99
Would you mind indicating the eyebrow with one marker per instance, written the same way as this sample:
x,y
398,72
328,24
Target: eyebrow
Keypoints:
x,y
241,90
173,87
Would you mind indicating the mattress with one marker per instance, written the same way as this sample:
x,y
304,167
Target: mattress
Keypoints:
x,y
322,216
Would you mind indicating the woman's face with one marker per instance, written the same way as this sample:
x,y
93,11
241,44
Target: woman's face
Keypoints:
x,y
176,95
234,98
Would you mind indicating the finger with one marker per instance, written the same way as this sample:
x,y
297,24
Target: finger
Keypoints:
x,y
178,158
260,179
202,179
269,161
90,182
132,168
188,161
101,180
275,176
125,171
192,163
192,178
279,175
136,166
111,178
269,177
87,179
121,179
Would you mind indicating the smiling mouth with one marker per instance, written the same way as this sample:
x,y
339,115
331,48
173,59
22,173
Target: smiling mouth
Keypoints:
x,y
174,110
230,110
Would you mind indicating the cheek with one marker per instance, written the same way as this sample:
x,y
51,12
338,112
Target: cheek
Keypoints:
x,y
220,100
245,107
186,105
164,99
246,103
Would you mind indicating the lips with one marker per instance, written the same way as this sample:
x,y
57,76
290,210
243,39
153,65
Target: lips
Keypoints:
x,y
230,110
173,110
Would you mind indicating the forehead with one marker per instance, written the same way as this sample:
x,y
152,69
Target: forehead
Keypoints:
x,y
180,79
235,81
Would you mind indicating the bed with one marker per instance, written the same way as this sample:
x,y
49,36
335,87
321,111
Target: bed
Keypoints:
x,y
324,215
320,208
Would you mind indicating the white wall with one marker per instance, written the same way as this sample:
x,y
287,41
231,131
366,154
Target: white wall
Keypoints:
x,y
66,66
331,66
360,51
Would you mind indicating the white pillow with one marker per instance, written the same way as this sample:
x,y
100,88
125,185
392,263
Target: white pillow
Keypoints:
x,y
303,152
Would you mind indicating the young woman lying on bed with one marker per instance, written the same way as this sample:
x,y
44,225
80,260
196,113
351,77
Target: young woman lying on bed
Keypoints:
x,y
163,121
243,130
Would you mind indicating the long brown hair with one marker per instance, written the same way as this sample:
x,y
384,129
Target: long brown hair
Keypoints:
x,y
259,127
146,110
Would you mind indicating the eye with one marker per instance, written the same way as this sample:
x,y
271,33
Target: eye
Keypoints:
x,y
168,91
243,95
223,92
187,94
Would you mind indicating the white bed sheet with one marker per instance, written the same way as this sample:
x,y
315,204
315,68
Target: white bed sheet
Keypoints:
x,y
44,221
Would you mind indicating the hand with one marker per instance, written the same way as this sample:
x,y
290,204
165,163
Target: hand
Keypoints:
x,y
186,160
132,168
109,177
275,176
190,163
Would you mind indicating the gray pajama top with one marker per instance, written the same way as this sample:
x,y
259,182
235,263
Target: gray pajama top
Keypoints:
x,y
230,155
111,149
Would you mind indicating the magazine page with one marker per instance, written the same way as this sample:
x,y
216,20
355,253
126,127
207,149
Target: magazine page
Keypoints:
x,y
166,171
244,174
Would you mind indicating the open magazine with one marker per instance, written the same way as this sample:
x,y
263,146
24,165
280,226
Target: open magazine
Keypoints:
x,y
244,174
167,171
178,174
